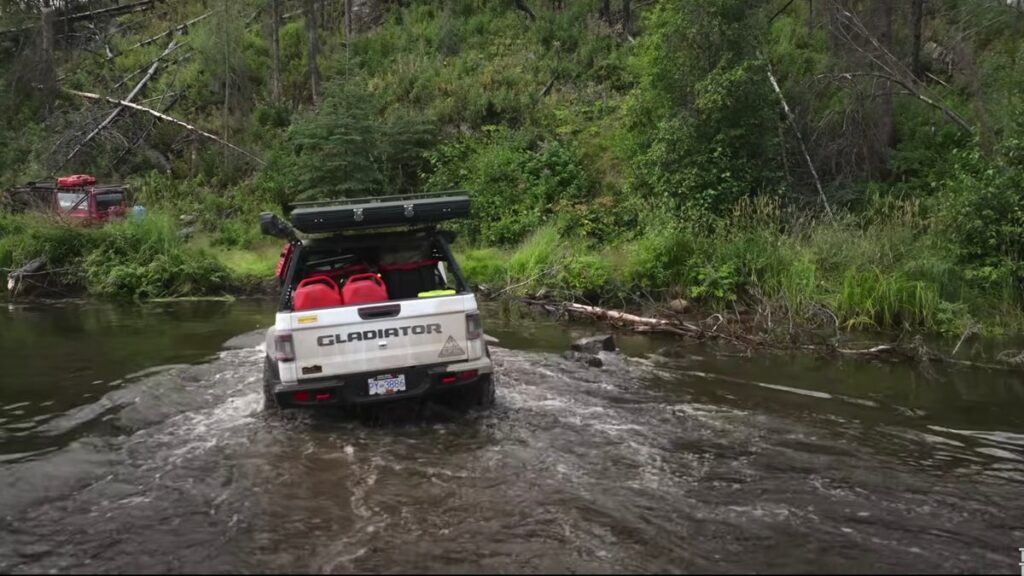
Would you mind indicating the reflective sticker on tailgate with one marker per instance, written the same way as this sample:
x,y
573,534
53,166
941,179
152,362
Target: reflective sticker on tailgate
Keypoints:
x,y
451,348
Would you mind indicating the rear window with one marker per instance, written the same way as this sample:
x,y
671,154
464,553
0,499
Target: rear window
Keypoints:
x,y
108,200
69,200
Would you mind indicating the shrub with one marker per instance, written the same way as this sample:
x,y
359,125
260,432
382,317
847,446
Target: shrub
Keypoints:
x,y
147,259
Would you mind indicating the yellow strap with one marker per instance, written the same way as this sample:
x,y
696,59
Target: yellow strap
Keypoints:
x,y
433,293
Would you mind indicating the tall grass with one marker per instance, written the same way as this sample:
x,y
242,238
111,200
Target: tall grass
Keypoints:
x,y
136,259
885,271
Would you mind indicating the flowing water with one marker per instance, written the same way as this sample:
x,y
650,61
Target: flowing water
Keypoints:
x,y
132,439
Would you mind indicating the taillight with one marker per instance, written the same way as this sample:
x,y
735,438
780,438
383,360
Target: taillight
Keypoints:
x,y
284,348
463,376
474,328
282,262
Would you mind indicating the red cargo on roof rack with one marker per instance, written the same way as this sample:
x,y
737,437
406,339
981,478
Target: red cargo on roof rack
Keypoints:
x,y
75,181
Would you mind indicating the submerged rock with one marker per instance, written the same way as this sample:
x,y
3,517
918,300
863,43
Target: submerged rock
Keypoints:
x,y
592,360
595,344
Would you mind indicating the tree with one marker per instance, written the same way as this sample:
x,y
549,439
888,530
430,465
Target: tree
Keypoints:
x,y
627,18
916,20
275,51
883,10
348,20
48,70
705,120
347,149
313,37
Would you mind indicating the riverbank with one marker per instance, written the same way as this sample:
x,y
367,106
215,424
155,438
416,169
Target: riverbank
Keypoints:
x,y
889,275
147,259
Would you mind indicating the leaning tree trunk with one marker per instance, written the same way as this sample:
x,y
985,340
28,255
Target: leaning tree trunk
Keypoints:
x,y
314,49
627,18
275,51
48,69
348,20
883,14
916,22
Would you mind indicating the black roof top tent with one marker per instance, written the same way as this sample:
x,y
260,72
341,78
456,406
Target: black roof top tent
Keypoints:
x,y
386,211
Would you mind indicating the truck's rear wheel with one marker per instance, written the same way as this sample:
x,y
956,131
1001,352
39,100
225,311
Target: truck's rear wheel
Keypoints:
x,y
481,394
269,378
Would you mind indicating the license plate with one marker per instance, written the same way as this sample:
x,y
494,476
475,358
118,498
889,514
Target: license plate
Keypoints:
x,y
387,384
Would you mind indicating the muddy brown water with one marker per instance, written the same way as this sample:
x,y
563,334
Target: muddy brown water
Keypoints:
x,y
132,439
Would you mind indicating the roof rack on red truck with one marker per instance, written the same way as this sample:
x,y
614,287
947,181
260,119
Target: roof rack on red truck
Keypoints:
x,y
77,197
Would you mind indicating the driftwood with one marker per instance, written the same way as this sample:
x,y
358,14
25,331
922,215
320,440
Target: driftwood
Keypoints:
x,y
916,351
131,96
166,118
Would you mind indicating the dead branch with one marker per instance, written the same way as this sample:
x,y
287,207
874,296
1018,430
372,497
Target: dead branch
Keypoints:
x,y
161,35
893,69
145,132
547,87
799,138
131,96
171,48
521,5
912,91
120,10
780,11
166,118
603,314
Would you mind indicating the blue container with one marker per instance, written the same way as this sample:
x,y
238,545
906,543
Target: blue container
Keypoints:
x,y
138,212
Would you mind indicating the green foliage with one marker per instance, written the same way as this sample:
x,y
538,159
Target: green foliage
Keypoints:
x,y
703,116
31,236
517,184
147,259
599,167
347,149
980,207
483,265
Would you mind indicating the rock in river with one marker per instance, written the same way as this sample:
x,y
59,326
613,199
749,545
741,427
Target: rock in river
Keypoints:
x,y
595,344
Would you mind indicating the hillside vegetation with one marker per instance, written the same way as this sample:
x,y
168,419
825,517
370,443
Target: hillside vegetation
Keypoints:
x,y
849,162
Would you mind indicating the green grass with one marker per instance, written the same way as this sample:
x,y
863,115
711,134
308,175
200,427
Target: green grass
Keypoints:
x,y
255,263
887,273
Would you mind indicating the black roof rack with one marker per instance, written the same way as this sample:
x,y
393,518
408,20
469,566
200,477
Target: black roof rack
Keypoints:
x,y
330,216
378,199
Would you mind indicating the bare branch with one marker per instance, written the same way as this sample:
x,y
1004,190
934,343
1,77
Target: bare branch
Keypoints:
x,y
166,118
161,35
799,138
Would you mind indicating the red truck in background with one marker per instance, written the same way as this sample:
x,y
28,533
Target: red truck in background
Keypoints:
x,y
77,198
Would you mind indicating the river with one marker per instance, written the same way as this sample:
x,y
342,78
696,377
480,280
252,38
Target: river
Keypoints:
x,y
132,439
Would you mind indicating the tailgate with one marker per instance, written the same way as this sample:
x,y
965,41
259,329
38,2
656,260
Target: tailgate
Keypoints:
x,y
355,339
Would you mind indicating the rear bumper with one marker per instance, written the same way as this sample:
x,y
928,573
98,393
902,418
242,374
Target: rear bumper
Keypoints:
x,y
352,389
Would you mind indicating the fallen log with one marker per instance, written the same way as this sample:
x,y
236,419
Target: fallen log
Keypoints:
x,y
167,118
171,48
120,10
604,314
799,138
917,351
184,26
131,96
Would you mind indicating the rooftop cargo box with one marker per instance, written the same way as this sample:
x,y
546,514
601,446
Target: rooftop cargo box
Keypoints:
x,y
341,215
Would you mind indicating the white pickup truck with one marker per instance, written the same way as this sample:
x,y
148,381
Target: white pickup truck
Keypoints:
x,y
374,307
